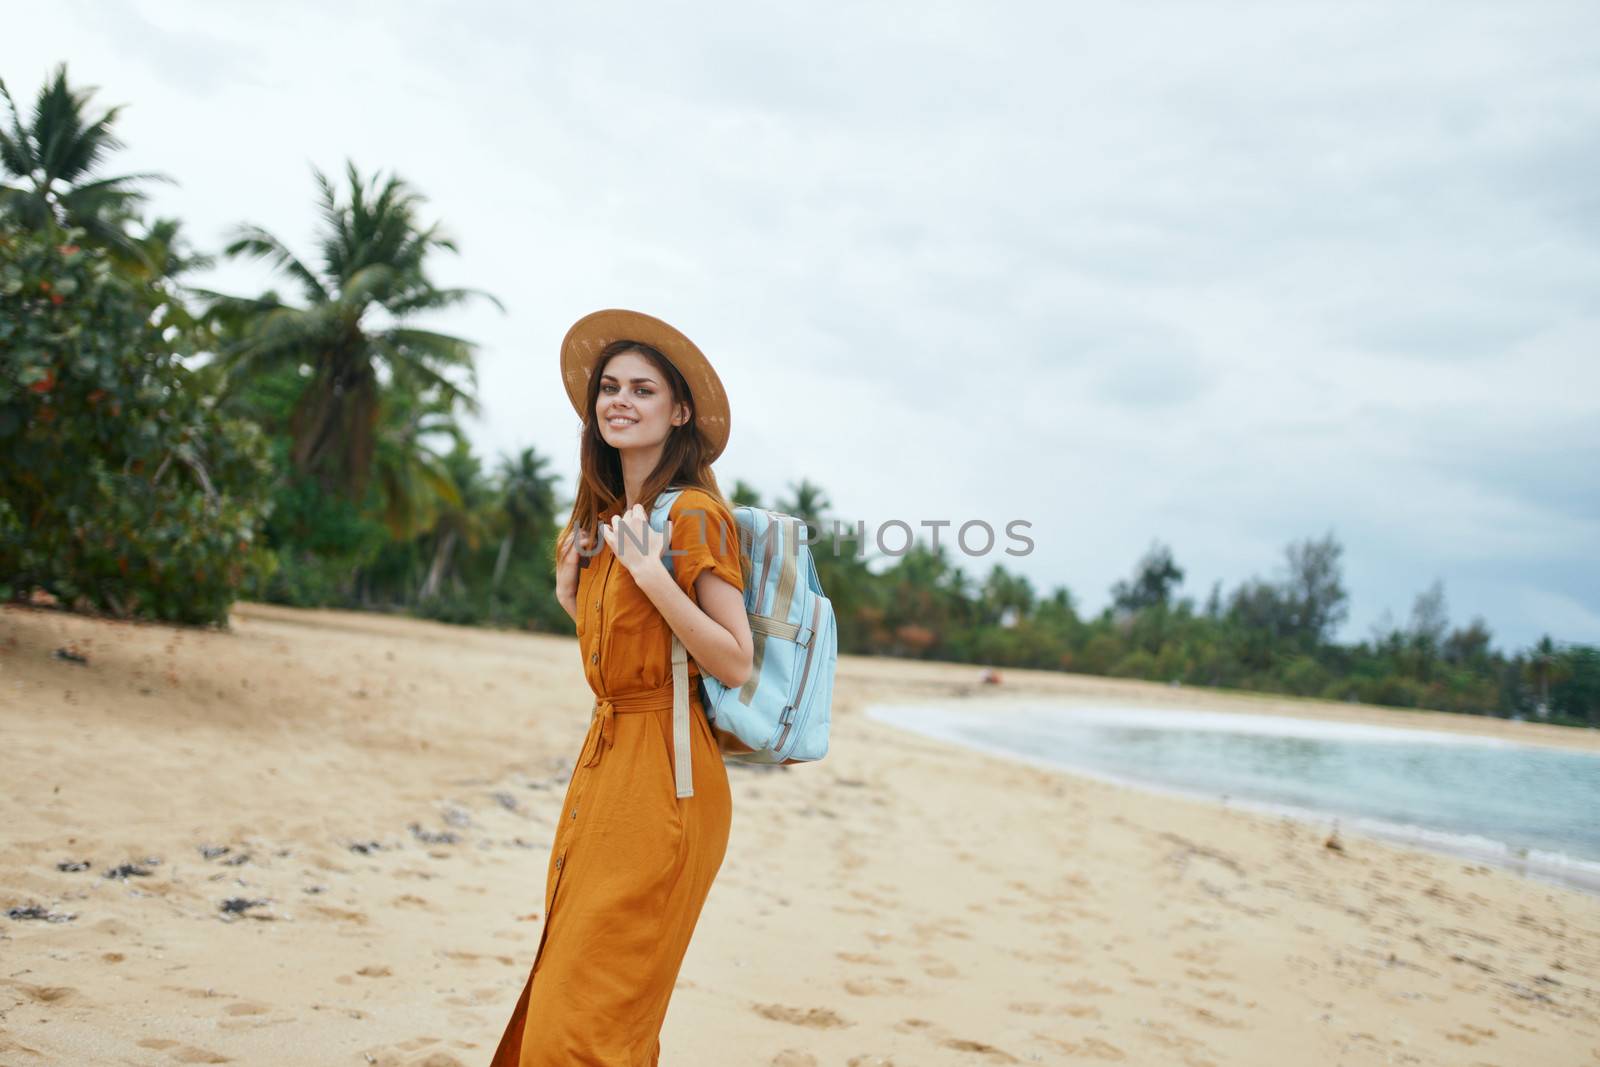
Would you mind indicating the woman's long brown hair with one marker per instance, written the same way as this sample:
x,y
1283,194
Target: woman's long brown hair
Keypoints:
x,y
683,461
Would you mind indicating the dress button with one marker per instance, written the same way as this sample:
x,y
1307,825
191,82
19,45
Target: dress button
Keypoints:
x,y
574,813
594,657
558,862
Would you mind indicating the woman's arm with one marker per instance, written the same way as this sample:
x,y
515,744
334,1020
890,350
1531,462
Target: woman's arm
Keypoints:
x,y
715,633
567,572
570,604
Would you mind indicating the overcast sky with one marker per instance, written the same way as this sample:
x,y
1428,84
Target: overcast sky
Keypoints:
x,y
1225,275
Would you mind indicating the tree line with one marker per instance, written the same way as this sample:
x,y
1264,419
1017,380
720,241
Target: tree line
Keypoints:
x,y
166,449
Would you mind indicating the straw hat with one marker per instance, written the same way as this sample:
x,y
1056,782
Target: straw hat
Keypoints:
x,y
590,334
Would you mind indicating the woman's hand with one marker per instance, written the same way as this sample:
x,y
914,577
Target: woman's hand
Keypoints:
x,y
567,571
636,546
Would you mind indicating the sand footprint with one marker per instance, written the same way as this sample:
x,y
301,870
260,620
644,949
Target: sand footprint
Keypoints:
x,y
875,986
247,1015
417,1044
816,1018
946,927
1169,1036
875,899
7,1045
1089,1048
343,915
478,957
962,1044
863,957
183,1053
41,994
1206,1015
1471,1035
1086,987
1223,995
1076,1011
404,1053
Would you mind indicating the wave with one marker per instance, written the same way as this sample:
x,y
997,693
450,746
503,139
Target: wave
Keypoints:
x,y
956,726
1259,725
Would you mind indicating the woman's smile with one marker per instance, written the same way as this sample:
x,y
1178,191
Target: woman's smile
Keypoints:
x,y
635,410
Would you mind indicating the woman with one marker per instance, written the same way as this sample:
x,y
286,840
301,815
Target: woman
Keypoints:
x,y
635,849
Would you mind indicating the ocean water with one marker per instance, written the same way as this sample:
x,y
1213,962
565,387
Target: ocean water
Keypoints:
x,y
1533,809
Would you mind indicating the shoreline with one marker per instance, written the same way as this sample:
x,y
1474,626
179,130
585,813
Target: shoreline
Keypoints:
x,y
1552,868
1086,688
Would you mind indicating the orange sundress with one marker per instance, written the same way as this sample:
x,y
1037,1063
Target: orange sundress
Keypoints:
x,y
632,862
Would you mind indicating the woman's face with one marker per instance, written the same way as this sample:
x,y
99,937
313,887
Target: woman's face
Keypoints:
x,y
635,408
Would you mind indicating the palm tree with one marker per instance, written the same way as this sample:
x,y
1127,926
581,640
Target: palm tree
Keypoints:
x,y
1006,598
808,505
744,493
410,474
164,254
373,253
1154,579
528,499
462,521
51,164
1544,661
166,251
919,602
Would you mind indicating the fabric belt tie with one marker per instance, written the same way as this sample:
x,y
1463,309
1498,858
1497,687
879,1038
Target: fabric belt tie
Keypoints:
x,y
675,696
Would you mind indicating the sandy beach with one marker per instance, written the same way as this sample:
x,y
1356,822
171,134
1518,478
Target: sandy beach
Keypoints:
x,y
375,798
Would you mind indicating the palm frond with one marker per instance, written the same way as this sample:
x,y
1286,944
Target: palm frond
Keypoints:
x,y
16,149
112,184
115,239
82,153
440,482
233,304
367,285
430,345
421,378
249,240
427,298
421,356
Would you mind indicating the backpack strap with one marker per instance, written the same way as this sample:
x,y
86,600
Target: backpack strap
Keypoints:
x,y
657,519
682,771
682,764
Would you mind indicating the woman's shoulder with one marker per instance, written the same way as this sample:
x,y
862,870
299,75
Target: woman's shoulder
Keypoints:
x,y
693,498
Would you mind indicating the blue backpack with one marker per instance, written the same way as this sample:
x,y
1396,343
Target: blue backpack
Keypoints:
x,y
781,715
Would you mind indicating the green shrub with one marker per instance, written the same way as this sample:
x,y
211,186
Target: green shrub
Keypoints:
x,y
125,492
